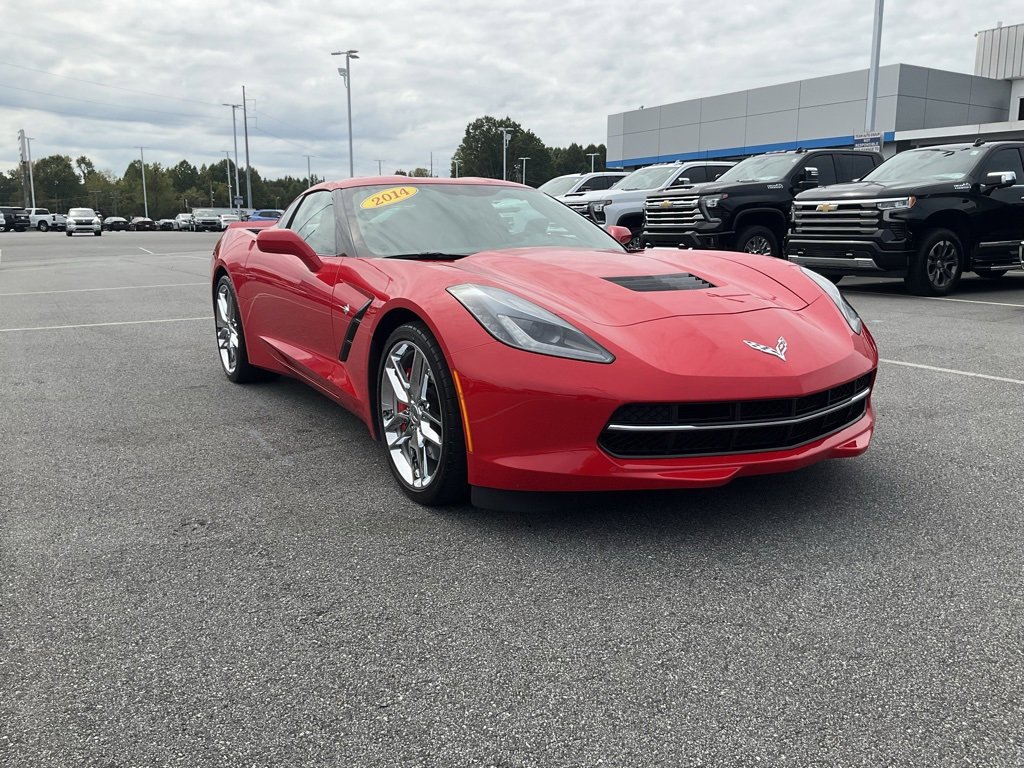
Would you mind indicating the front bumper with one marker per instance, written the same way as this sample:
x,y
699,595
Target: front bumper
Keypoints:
x,y
531,433
867,258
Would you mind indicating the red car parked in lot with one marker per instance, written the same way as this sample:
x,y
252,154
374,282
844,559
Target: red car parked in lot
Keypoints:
x,y
490,337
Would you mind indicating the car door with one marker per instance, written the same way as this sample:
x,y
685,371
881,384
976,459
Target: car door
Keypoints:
x,y
1002,220
289,306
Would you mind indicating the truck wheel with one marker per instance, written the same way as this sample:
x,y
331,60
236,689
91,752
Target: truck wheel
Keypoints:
x,y
43,226
936,268
990,274
758,239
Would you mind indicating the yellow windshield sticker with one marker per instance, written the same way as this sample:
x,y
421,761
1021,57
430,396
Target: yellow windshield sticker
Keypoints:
x,y
388,196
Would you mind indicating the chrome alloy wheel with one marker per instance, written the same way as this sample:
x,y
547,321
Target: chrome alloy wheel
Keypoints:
x,y
758,244
227,328
943,263
411,415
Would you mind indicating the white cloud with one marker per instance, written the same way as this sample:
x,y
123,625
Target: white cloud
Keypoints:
x,y
425,70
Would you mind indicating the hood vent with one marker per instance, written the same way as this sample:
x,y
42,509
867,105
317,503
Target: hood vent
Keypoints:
x,y
682,281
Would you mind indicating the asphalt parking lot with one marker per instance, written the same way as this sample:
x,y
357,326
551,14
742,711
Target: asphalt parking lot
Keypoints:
x,y
200,574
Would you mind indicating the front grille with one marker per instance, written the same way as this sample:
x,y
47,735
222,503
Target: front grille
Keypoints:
x,y
668,214
677,430
842,219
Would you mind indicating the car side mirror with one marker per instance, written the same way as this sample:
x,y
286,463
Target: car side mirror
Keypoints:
x,y
287,242
809,178
1000,179
621,234
681,181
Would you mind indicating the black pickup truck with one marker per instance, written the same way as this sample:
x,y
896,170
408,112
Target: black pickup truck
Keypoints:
x,y
13,219
747,208
927,215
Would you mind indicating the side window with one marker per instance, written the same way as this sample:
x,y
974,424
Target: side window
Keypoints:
x,y
1006,159
314,223
601,182
853,166
715,171
688,175
696,174
826,169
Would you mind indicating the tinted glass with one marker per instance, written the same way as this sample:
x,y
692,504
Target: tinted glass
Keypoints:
x,y
82,213
695,173
314,223
1001,160
654,177
850,167
460,219
826,169
559,185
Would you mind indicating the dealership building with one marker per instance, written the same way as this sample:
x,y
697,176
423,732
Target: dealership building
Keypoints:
x,y
915,106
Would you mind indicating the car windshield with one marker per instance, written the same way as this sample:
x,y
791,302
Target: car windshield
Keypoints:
x,y
761,168
653,177
559,185
205,212
452,220
933,164
85,213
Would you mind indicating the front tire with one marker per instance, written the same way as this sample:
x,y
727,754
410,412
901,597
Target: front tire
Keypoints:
x,y
419,420
758,239
936,268
234,358
98,234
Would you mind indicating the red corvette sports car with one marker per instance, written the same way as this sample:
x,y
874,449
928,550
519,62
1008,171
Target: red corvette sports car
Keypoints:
x,y
492,338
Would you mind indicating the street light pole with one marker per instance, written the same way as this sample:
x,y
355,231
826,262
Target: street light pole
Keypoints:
x,y
234,131
523,161
456,164
592,155
346,73
876,49
31,181
505,134
245,127
380,172
145,200
227,169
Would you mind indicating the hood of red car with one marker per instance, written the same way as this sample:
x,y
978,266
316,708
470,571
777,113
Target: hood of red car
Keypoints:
x,y
617,289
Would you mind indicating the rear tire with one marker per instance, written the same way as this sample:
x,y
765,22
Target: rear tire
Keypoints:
x,y
758,239
937,266
419,420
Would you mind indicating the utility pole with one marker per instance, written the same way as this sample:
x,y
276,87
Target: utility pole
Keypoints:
x,y
592,155
309,171
380,171
227,167
523,161
876,49
248,175
431,164
31,181
505,137
456,164
145,200
234,132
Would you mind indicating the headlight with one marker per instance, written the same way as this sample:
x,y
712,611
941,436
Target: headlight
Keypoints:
x,y
599,206
712,201
522,324
893,205
837,298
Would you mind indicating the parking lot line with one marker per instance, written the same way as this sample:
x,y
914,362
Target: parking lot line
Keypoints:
x,y
89,290
97,325
146,250
953,371
942,298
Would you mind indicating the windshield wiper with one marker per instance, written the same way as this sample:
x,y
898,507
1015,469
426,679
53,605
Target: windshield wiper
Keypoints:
x,y
429,256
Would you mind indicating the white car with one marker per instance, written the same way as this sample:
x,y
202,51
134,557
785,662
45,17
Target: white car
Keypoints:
x,y
185,221
227,218
83,221
623,204
563,188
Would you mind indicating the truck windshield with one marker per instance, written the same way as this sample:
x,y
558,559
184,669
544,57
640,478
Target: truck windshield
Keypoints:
x,y
559,185
761,168
932,164
654,177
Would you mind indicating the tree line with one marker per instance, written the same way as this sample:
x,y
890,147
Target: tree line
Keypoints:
x,y
62,183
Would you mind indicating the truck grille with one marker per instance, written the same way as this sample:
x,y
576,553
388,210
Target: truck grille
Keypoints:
x,y
671,213
842,219
677,430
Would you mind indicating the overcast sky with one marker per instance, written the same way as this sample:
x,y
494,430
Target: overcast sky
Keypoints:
x,y
103,78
